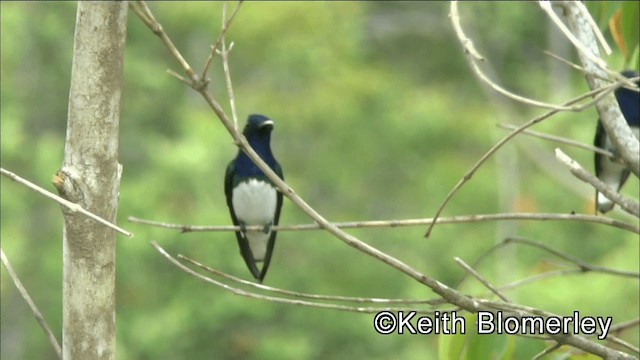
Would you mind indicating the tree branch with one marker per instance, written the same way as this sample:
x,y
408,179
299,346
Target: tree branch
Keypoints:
x,y
240,292
307,295
62,201
559,139
34,309
629,205
403,223
452,296
610,115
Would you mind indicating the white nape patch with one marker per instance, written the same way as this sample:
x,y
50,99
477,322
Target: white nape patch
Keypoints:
x,y
254,202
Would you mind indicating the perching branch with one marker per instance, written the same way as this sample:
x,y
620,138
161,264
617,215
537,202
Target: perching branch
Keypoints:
x,y
34,309
403,223
444,291
64,202
629,205
452,296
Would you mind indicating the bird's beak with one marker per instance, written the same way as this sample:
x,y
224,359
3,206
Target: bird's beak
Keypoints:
x,y
267,123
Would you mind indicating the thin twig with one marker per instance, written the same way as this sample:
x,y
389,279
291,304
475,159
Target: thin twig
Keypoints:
x,y
623,326
563,60
629,205
404,223
225,27
582,266
504,140
224,53
585,267
64,202
240,292
559,139
479,277
34,309
538,277
616,340
475,56
307,295
479,260
141,9
546,351
546,6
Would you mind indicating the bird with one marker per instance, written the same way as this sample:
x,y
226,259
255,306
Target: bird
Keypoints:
x,y
609,169
252,198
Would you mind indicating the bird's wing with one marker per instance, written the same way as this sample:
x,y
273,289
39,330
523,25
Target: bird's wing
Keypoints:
x,y
243,243
228,190
599,142
598,158
276,218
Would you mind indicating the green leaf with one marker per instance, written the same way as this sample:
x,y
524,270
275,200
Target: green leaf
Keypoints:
x,y
452,346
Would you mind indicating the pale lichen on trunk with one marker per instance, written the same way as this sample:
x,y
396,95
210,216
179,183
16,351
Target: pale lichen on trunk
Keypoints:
x,y
608,109
90,176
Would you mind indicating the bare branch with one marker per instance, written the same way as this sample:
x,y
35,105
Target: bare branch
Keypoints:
x,y
546,351
141,9
474,57
559,139
404,223
503,141
629,205
546,6
616,340
34,309
225,26
306,295
240,292
224,53
64,202
584,267
623,326
479,277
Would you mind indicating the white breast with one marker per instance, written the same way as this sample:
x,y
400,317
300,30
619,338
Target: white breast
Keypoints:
x,y
254,202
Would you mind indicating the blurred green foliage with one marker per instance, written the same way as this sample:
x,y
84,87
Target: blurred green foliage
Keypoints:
x,y
377,117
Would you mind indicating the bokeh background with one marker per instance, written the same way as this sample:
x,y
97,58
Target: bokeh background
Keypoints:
x,y
377,117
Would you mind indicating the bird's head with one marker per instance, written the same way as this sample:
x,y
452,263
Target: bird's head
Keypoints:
x,y
258,125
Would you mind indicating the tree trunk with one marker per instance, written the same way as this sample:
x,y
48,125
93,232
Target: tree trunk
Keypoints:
x,y
90,176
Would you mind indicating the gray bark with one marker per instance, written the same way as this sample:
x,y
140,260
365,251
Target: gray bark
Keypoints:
x,y
612,119
90,176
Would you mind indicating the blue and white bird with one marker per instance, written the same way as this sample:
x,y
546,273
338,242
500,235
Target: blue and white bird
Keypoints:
x,y
252,198
610,170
